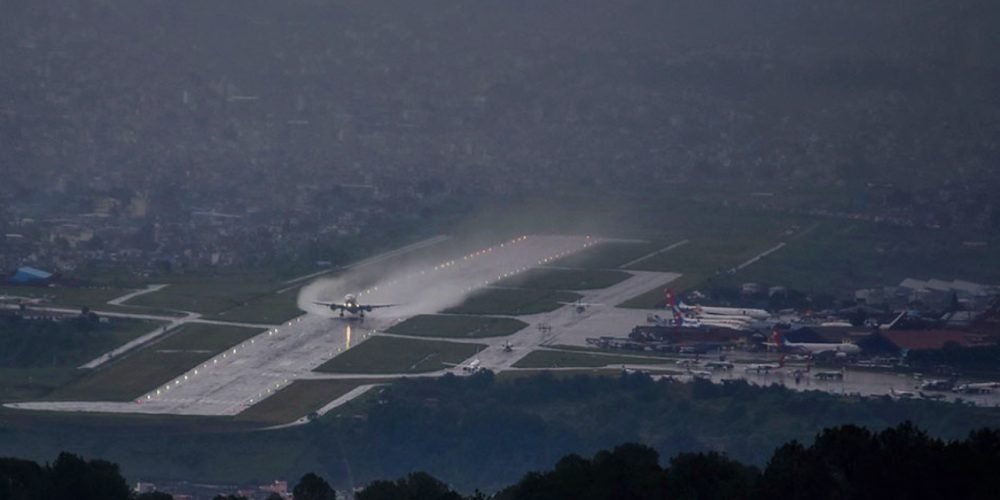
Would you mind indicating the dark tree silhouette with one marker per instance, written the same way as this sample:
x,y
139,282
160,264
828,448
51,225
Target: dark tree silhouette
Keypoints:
x,y
154,495
313,487
76,479
709,476
415,486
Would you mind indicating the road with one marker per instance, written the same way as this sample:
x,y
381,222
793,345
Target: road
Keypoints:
x,y
129,296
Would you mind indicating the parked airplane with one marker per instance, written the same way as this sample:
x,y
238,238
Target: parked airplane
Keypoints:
x,y
978,388
813,348
352,306
679,320
672,302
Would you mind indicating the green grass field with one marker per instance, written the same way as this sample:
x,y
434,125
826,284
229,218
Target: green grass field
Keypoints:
x,y
843,256
155,365
55,365
429,325
86,345
395,355
576,359
23,384
565,279
299,399
609,254
705,256
513,302
270,308
656,297
208,297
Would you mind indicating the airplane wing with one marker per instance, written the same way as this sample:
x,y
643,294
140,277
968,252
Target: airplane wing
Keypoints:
x,y
377,306
331,305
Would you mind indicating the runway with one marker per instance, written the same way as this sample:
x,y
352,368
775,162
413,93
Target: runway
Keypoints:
x,y
247,373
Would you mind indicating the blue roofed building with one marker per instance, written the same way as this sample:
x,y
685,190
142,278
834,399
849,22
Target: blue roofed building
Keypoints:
x,y
30,276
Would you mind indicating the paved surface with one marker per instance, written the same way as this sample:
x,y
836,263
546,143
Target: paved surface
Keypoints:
x,y
568,326
855,382
252,371
255,369
129,296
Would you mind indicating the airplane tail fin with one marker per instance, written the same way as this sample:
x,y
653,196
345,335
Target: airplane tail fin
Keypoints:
x,y
671,299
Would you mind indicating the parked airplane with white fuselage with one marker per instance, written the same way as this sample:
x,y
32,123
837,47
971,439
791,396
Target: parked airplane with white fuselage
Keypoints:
x,y
813,348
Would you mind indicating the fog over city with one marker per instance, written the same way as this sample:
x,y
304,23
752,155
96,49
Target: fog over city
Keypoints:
x,y
516,249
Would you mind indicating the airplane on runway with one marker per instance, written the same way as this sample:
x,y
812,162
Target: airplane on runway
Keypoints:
x,y
351,305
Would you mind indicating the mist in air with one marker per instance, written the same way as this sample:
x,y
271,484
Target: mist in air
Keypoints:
x,y
438,281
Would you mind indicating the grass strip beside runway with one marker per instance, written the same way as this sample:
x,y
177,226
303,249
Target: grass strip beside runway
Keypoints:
x,y
513,302
608,255
456,326
566,279
155,365
396,355
567,359
301,398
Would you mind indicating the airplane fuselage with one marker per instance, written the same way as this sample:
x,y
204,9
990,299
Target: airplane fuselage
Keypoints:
x,y
819,348
351,305
726,311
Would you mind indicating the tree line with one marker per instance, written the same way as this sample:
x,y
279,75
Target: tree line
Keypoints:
x,y
846,462
483,431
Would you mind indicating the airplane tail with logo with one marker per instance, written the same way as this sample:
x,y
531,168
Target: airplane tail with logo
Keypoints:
x,y
777,338
670,299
